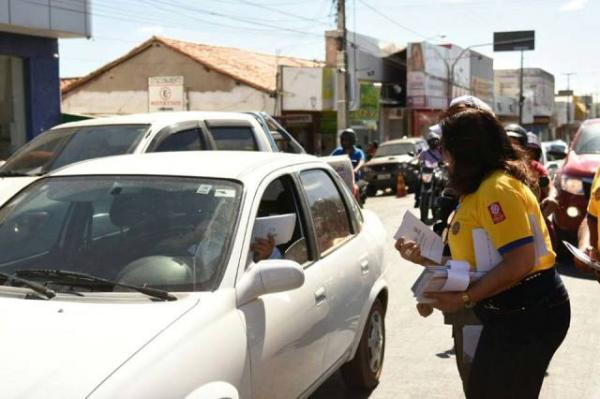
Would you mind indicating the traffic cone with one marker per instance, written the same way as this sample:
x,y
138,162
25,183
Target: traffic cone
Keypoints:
x,y
400,186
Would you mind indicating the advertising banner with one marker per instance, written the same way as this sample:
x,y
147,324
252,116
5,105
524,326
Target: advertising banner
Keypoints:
x,y
165,93
308,89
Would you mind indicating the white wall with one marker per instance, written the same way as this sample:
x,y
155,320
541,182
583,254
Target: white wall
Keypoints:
x,y
241,98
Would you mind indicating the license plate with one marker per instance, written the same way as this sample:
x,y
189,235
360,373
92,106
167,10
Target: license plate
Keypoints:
x,y
385,176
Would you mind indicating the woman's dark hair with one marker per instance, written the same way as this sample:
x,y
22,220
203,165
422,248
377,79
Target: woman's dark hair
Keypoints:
x,y
479,146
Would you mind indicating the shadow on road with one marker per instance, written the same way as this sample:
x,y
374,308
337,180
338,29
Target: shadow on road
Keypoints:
x,y
334,388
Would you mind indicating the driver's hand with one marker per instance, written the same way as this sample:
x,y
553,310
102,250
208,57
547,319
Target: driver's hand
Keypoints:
x,y
263,248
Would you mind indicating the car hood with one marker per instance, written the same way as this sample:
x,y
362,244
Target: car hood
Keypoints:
x,y
582,165
9,186
64,349
390,159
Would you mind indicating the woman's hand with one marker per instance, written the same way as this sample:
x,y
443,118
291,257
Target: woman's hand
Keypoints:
x,y
549,206
424,309
446,301
410,251
263,248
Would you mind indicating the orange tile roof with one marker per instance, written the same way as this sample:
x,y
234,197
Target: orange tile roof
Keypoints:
x,y
65,82
253,69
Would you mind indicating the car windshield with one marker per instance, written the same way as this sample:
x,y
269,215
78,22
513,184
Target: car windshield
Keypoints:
x,y
169,233
589,140
60,147
387,150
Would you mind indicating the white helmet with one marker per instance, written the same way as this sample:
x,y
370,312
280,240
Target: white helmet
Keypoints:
x,y
533,141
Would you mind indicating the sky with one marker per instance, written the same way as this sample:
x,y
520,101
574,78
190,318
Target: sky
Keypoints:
x,y
567,31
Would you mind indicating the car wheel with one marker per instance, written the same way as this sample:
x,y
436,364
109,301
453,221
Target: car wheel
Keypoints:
x,y
364,370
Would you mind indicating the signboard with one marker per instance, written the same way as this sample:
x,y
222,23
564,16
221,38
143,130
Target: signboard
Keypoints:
x,y
165,93
536,81
514,41
308,89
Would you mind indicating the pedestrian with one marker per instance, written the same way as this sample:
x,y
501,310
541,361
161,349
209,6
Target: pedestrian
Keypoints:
x,y
371,150
588,240
521,302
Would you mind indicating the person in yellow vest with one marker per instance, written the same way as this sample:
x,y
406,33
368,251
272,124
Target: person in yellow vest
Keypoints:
x,y
521,302
588,238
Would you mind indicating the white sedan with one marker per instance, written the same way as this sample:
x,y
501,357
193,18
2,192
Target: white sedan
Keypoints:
x,y
135,277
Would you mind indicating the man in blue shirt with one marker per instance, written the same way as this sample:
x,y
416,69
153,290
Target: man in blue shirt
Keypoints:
x,y
348,147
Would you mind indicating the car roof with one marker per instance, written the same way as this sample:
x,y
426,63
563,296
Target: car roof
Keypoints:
x,y
236,165
162,118
411,140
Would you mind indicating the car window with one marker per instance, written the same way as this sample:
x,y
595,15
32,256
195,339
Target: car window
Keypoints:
x,y
280,201
185,140
159,231
588,141
99,141
234,138
386,150
328,212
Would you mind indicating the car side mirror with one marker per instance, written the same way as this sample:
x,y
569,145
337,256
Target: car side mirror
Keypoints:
x,y
268,277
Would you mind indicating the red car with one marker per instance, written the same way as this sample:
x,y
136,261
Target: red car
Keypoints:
x,y
574,180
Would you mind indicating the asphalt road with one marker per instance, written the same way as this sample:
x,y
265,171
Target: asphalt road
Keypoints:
x,y
419,362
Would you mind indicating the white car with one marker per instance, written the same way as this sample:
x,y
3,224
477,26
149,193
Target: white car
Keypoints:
x,y
133,277
152,132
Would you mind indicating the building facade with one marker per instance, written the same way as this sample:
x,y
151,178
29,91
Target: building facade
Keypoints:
x,y
29,65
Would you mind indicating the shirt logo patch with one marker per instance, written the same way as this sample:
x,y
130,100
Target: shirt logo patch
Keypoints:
x,y
496,213
456,228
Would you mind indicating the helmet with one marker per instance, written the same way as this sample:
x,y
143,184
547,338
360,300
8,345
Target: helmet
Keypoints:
x,y
472,102
348,134
432,138
533,140
516,131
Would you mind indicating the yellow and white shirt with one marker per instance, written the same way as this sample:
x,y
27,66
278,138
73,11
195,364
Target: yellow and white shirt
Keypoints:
x,y
509,213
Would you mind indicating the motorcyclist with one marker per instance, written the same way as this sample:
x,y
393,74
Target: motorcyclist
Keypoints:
x,y
429,158
348,147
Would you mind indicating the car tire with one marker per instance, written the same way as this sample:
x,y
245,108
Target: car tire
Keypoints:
x,y
363,372
371,190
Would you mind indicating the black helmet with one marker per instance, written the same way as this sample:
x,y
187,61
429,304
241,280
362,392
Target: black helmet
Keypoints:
x,y
350,135
433,139
517,131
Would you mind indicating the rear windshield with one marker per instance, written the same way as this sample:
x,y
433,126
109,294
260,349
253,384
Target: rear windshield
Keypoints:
x,y
588,141
234,138
60,147
395,149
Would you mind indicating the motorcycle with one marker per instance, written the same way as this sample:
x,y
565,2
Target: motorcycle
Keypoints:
x,y
433,182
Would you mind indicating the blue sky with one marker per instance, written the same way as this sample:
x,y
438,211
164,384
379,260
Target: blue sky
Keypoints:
x,y
567,31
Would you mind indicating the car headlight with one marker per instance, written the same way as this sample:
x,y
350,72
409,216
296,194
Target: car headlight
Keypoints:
x,y
571,185
426,177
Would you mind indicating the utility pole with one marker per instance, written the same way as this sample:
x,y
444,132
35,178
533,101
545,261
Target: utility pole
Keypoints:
x,y
568,75
342,68
521,98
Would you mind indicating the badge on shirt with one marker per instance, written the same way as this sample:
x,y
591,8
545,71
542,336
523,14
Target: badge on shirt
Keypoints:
x,y
456,228
496,213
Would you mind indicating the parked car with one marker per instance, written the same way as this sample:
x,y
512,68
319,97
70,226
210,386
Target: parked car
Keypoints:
x,y
574,179
137,280
553,155
394,157
153,132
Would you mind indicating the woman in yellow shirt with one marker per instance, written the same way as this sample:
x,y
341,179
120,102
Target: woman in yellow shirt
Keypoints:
x,y
521,302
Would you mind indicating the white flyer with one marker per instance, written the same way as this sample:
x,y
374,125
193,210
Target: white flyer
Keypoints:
x,y
582,256
538,238
458,278
486,255
430,244
281,227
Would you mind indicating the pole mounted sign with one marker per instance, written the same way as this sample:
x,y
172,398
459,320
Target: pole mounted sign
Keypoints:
x,y
514,41
165,93
522,41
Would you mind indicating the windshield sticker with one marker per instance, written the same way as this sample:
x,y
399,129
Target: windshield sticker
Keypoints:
x,y
204,189
226,193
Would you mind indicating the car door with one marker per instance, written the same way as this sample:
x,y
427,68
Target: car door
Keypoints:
x,y
343,258
288,331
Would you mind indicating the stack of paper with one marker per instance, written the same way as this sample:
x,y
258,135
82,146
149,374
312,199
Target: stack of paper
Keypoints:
x,y
455,277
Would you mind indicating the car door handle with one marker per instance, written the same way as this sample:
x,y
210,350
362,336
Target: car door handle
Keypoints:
x,y
320,296
364,266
